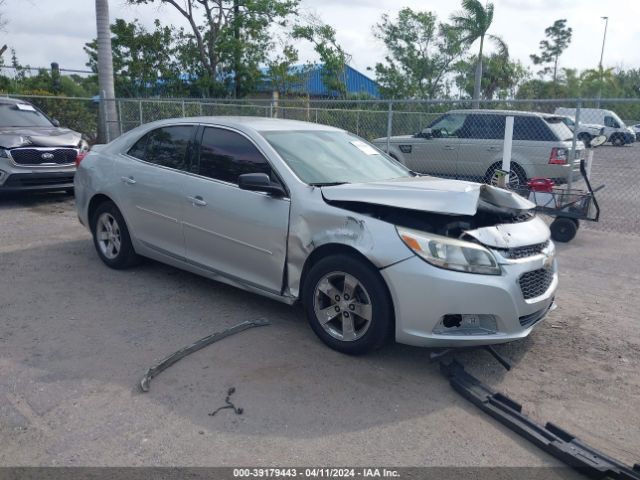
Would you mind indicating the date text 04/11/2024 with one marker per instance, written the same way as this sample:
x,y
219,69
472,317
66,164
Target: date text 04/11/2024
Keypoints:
x,y
315,473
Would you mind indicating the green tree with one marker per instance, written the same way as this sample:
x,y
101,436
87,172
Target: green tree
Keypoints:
x,y
421,52
332,56
280,69
230,38
558,39
500,76
141,59
472,24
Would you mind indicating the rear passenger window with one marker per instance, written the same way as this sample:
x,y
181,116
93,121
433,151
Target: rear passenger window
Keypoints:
x,y
165,146
225,155
487,126
138,149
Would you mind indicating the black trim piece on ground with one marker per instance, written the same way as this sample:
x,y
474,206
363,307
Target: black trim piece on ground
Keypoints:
x,y
550,438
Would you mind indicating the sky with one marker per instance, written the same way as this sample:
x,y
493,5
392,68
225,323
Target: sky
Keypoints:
x,y
44,31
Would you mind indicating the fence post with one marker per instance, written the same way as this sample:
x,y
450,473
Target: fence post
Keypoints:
x,y
105,111
183,110
140,111
389,125
119,110
507,147
357,121
574,141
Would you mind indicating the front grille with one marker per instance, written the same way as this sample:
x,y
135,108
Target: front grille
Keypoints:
x,y
535,283
34,156
524,252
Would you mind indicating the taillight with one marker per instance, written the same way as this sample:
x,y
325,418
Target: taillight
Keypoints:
x,y
80,156
558,156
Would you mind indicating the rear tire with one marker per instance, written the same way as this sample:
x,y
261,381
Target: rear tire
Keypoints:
x,y
617,141
111,237
517,176
348,305
563,229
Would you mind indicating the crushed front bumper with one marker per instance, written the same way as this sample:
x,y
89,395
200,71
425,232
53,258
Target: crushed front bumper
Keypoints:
x,y
423,295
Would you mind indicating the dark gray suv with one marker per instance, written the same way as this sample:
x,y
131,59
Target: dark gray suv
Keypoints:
x,y
35,152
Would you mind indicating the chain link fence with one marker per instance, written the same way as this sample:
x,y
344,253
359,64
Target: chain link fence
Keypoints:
x,y
446,138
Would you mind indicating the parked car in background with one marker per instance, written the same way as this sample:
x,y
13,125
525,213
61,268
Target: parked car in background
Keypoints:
x,y
305,212
468,144
585,131
614,128
35,152
636,129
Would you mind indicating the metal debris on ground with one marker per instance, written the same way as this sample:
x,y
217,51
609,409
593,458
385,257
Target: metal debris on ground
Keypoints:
x,y
203,342
550,438
229,404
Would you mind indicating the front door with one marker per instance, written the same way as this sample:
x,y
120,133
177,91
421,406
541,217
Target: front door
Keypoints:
x,y
438,154
239,233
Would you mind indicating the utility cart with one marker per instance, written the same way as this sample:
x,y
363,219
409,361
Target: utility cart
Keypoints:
x,y
568,206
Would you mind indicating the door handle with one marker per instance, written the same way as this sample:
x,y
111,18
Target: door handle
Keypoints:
x,y
129,180
449,147
197,201
493,149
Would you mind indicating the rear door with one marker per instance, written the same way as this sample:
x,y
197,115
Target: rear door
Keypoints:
x,y
152,175
481,145
438,155
239,233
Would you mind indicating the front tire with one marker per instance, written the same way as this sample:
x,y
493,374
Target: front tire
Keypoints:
x,y
348,305
111,237
586,139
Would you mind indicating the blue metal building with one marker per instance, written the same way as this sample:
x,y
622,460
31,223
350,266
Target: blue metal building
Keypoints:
x,y
309,82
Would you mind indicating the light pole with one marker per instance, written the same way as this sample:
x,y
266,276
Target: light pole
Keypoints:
x,y
604,39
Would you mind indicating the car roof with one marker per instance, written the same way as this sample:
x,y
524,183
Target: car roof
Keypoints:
x,y
259,124
506,112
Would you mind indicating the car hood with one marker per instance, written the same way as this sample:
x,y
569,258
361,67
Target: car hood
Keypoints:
x,y
429,194
13,137
397,138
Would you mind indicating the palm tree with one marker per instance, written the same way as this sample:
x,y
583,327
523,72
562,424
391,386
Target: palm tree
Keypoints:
x,y
471,24
105,69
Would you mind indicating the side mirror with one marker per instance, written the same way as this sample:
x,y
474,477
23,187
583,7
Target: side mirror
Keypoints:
x,y
56,122
426,133
260,182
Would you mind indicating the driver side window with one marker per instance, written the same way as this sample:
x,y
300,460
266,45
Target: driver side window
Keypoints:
x,y
448,126
610,122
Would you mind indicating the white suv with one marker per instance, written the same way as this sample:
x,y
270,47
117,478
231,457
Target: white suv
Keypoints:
x,y
468,144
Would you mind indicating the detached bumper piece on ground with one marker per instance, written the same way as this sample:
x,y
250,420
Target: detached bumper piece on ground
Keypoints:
x,y
550,438
203,342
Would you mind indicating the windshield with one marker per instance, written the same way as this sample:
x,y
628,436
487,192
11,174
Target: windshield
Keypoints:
x,y
21,115
324,158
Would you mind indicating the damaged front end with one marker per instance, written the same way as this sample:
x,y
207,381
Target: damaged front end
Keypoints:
x,y
482,271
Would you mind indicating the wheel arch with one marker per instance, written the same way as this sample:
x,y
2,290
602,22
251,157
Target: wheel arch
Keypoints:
x,y
330,249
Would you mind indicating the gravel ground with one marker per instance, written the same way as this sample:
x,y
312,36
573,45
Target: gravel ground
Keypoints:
x,y
75,338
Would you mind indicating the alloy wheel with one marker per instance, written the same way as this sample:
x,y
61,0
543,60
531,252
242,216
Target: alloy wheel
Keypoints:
x,y
342,306
108,235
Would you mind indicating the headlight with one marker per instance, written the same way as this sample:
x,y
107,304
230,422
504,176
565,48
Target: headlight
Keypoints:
x,y
4,153
83,146
450,253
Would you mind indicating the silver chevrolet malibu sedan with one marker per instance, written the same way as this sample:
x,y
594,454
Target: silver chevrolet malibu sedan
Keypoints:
x,y
303,212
